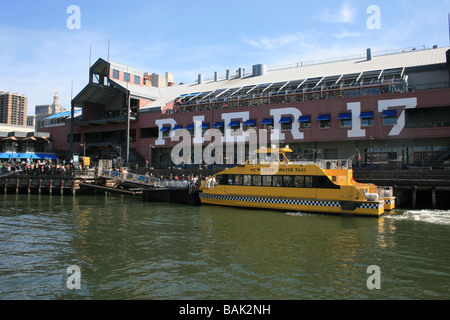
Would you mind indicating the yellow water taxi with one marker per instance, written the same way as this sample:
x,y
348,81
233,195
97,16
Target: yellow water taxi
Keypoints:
x,y
325,187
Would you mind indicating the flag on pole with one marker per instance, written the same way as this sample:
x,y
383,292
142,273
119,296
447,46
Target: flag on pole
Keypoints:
x,y
358,155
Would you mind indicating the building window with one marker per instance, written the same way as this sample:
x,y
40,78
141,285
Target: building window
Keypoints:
x,y
126,77
190,129
367,119
115,74
165,131
434,117
205,127
324,121
305,122
345,120
250,124
286,123
234,125
267,123
176,131
137,80
390,117
219,126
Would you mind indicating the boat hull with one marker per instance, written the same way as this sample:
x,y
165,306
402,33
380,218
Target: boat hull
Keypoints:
x,y
366,208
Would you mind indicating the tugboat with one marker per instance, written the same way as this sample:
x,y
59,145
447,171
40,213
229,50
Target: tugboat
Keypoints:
x,y
324,186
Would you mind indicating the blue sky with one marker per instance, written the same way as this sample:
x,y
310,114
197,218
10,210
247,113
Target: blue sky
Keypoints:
x,y
39,54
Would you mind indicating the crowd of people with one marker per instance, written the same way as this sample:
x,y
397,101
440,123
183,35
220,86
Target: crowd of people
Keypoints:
x,y
30,167
39,167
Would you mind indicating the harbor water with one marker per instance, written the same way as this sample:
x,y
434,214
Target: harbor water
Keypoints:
x,y
125,248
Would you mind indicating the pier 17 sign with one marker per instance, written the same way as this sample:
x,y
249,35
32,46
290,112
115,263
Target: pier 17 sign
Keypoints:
x,y
387,108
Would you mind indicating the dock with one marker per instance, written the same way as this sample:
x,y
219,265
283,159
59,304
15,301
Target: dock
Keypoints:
x,y
413,189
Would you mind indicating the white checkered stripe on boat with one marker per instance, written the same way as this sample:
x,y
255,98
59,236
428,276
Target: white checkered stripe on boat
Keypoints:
x,y
321,203
371,205
273,200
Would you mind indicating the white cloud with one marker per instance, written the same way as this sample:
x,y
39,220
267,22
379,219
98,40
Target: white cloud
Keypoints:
x,y
347,34
276,42
345,14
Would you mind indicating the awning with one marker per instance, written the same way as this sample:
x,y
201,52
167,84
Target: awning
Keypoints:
x,y
218,125
10,155
234,123
267,121
286,120
345,116
390,113
366,115
15,155
205,126
250,123
166,128
190,127
46,156
177,127
324,117
304,119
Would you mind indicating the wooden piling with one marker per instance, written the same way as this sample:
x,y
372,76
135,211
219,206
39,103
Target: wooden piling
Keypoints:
x,y
414,197
433,198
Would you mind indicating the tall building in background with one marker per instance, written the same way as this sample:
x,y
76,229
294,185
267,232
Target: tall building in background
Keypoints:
x,y
13,108
45,110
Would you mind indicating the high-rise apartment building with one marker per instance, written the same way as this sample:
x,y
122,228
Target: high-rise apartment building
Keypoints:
x,y
13,108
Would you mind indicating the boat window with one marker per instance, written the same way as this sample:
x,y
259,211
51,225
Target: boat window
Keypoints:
x,y
238,180
308,182
299,181
288,181
276,181
247,180
257,180
267,181
323,182
222,179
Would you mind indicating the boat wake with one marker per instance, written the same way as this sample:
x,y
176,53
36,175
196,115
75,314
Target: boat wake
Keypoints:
x,y
298,214
303,214
441,217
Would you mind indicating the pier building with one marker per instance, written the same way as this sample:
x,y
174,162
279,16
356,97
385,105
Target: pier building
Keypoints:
x,y
390,109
